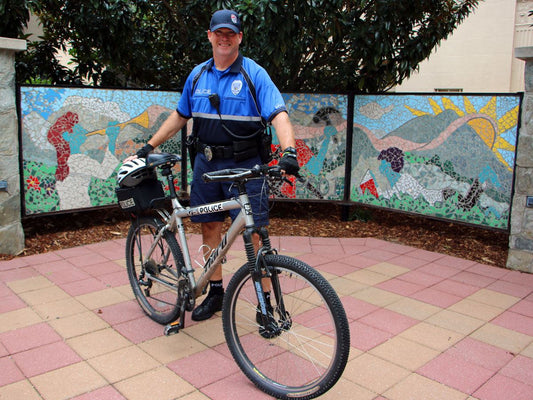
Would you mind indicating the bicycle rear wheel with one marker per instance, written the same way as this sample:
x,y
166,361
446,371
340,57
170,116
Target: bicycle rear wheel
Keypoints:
x,y
309,351
154,279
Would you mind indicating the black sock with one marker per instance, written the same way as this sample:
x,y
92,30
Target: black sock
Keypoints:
x,y
216,287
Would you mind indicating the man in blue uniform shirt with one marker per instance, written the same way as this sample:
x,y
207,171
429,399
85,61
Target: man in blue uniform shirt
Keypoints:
x,y
231,99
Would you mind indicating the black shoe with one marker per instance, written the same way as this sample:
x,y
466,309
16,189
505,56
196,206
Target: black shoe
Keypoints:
x,y
211,304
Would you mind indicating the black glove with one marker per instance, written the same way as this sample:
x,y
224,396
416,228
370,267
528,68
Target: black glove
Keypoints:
x,y
143,152
289,162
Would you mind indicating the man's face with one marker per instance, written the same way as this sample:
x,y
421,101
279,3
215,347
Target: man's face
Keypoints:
x,y
224,41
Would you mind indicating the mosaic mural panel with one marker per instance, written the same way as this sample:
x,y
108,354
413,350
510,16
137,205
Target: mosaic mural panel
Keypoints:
x,y
74,139
319,122
450,157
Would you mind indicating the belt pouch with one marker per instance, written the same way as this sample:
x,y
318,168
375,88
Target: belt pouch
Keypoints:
x,y
244,149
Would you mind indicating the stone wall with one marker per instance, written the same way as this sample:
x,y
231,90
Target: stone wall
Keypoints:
x,y
11,232
521,238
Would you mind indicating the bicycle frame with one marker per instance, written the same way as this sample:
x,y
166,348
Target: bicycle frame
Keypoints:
x,y
174,223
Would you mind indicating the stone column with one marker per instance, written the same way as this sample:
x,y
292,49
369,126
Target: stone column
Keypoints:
x,y
521,238
11,232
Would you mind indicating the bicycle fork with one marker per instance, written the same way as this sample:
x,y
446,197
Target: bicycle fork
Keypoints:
x,y
265,279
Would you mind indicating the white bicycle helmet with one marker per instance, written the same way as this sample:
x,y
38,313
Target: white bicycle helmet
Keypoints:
x,y
133,172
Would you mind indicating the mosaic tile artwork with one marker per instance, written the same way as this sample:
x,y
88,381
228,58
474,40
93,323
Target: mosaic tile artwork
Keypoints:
x,y
320,128
74,139
450,157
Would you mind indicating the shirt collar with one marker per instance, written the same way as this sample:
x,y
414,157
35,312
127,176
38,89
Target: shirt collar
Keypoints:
x,y
234,68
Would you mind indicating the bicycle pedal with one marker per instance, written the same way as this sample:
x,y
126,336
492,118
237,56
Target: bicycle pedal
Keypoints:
x,y
172,328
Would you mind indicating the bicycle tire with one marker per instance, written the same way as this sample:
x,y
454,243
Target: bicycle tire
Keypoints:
x,y
309,355
158,301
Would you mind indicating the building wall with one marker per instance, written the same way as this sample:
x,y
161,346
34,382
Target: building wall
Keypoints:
x,y
478,56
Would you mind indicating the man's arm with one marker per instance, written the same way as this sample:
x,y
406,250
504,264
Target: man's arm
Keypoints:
x,y
284,130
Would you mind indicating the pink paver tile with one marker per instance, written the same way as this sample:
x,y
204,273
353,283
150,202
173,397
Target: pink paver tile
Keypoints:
x,y
421,278
429,256
515,322
114,279
11,303
436,297
365,337
388,321
456,288
4,290
520,278
18,274
3,350
439,270
407,261
388,246
140,330
356,308
399,286
87,259
45,358
204,368
456,373
105,393
74,252
510,288
107,267
520,368
14,263
480,353
295,243
72,274
10,372
314,260
523,307
110,250
501,387
85,286
29,337
472,279
121,312
379,254
358,261
234,387
353,245
332,252
41,258
337,268
54,266
324,241
488,270
455,262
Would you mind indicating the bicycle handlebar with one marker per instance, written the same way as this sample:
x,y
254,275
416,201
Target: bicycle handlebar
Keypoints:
x,y
241,174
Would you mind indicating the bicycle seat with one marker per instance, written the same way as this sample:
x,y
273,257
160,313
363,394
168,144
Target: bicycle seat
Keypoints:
x,y
159,159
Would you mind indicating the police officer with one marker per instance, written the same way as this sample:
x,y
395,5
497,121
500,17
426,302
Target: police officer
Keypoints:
x,y
230,98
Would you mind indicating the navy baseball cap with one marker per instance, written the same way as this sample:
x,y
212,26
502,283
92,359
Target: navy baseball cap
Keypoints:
x,y
225,19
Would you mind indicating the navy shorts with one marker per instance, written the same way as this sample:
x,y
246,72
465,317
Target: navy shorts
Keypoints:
x,y
209,192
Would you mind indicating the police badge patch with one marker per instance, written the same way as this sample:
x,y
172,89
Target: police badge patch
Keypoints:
x,y
236,87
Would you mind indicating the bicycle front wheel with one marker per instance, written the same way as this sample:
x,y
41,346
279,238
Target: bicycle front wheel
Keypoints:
x,y
154,278
307,353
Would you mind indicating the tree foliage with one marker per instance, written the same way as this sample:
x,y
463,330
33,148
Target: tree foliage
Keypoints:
x,y
305,45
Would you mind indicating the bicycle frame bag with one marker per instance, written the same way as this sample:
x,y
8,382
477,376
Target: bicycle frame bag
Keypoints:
x,y
145,196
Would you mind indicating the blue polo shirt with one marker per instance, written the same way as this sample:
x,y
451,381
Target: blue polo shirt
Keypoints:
x,y
237,106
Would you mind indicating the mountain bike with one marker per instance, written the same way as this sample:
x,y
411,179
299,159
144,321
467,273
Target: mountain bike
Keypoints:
x,y
292,344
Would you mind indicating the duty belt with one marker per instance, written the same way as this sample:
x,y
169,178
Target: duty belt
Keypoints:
x,y
211,151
